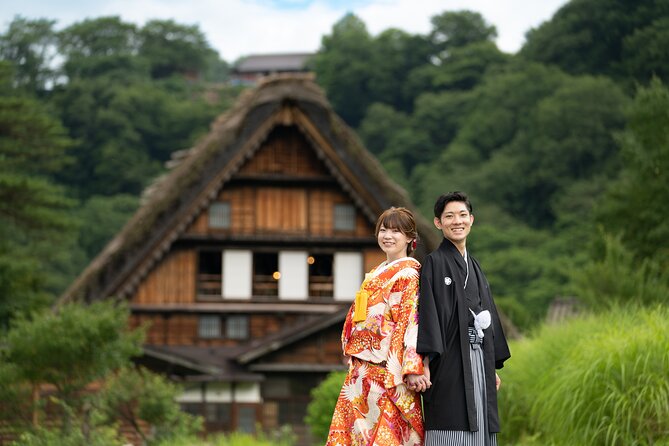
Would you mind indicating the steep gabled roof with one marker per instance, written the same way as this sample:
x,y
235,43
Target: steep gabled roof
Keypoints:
x,y
196,176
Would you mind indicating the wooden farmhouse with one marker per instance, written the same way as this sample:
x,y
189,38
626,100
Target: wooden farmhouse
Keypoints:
x,y
244,258
249,70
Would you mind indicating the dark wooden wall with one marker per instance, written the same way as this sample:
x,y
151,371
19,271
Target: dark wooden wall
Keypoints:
x,y
182,329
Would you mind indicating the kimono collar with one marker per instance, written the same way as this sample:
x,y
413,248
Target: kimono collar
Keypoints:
x,y
414,264
450,249
448,246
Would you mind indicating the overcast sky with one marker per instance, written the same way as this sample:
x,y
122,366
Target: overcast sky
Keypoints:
x,y
237,28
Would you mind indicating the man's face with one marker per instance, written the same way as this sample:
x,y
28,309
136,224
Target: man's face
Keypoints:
x,y
455,222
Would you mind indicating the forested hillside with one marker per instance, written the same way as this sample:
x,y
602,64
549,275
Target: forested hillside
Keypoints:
x,y
563,147
89,114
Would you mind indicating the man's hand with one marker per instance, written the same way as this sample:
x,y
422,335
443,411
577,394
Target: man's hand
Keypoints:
x,y
417,383
498,382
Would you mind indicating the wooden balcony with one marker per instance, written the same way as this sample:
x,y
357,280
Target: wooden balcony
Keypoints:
x,y
209,284
321,286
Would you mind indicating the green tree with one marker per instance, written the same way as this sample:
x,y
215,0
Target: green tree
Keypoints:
x,y
105,45
568,137
643,185
521,145
441,115
172,48
124,132
110,155
488,119
68,349
35,227
136,395
342,68
597,37
103,216
30,45
465,66
458,29
646,52
395,54
84,354
378,126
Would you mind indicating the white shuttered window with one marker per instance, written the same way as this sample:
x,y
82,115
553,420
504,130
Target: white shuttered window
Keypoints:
x,y
237,272
294,269
347,274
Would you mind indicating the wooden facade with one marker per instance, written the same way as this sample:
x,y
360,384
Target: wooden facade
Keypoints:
x,y
244,259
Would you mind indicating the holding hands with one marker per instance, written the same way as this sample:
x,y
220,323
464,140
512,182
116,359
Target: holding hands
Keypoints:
x,y
419,383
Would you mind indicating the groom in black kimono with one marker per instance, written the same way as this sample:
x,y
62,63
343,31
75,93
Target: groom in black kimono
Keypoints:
x,y
459,334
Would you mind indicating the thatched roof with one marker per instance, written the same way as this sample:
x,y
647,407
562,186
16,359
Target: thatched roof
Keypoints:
x,y
196,176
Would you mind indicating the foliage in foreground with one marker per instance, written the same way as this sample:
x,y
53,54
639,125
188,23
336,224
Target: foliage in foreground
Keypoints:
x,y
323,400
282,437
595,380
67,375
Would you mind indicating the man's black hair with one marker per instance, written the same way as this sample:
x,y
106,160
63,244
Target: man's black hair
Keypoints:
x,y
443,200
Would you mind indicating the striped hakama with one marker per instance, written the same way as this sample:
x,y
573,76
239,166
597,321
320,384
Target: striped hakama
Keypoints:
x,y
482,437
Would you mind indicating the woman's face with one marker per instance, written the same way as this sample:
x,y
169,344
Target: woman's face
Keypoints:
x,y
393,242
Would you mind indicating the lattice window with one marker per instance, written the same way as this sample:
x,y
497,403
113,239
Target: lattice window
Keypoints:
x,y
219,215
209,327
237,327
344,217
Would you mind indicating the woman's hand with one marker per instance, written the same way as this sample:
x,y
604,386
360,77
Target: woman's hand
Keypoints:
x,y
417,383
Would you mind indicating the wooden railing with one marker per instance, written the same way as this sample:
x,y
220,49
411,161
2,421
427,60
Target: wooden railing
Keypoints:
x,y
209,284
321,286
265,286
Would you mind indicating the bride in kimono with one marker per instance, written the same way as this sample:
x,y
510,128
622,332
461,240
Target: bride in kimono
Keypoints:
x,y
376,406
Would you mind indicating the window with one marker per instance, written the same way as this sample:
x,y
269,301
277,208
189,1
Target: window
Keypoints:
x,y
321,283
237,327
348,271
344,217
291,394
218,413
219,215
209,327
237,271
294,269
209,275
293,411
246,419
266,274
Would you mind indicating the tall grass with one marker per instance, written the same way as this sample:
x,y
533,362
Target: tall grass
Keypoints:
x,y
596,380
281,437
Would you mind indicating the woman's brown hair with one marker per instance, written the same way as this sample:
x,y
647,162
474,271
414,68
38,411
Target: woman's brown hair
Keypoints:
x,y
401,219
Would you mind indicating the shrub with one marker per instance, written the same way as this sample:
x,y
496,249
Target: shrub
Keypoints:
x,y
323,401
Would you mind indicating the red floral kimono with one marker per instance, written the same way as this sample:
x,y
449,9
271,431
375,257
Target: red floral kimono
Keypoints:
x,y
374,406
